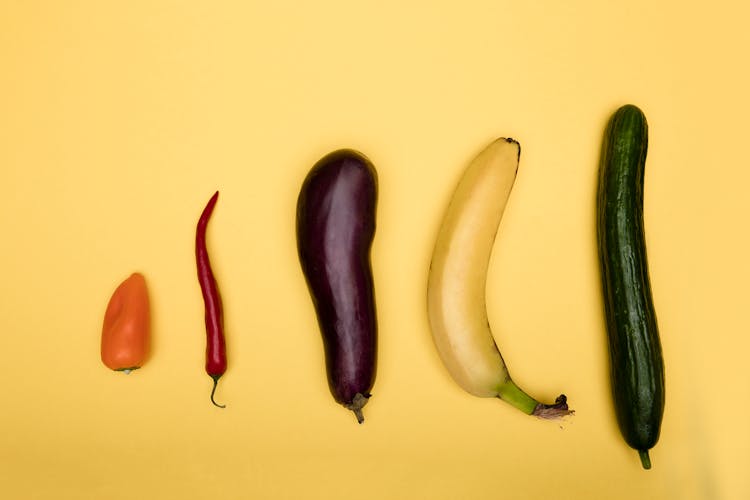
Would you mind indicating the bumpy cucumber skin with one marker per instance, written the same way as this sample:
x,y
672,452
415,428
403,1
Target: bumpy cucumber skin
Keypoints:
x,y
637,366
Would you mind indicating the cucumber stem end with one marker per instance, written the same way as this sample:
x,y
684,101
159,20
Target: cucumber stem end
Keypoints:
x,y
645,459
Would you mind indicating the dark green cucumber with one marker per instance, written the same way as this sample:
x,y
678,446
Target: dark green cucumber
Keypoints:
x,y
636,364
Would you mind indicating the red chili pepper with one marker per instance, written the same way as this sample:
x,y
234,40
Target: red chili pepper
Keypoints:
x,y
216,352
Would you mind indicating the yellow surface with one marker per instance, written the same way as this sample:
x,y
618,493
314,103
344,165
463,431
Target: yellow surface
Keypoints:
x,y
118,120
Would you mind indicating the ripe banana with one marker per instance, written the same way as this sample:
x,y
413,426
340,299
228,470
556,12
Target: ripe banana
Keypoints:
x,y
457,281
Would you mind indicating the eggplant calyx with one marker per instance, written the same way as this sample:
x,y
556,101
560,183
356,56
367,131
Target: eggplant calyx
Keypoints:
x,y
358,402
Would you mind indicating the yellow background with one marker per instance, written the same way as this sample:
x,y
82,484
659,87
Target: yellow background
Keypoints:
x,y
118,120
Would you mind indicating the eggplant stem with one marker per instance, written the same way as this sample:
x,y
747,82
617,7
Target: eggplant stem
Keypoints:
x,y
213,391
358,402
360,416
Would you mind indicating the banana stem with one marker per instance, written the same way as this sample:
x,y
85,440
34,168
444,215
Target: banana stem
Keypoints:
x,y
511,393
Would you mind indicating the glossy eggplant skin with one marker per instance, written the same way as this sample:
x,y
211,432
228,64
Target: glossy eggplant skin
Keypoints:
x,y
336,213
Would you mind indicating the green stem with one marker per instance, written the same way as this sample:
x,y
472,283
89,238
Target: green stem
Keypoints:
x,y
127,370
645,459
358,402
213,391
511,393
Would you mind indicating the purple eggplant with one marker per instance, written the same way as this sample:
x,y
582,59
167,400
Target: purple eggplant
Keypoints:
x,y
335,227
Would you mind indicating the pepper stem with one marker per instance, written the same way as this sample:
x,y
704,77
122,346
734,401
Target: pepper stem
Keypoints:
x,y
213,391
127,370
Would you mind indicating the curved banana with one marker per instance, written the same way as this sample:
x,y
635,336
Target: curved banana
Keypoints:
x,y
457,281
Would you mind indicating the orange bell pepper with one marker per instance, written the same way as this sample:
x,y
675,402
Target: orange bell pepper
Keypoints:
x,y
127,326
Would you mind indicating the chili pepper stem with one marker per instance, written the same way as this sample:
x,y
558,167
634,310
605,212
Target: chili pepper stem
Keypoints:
x,y
213,391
